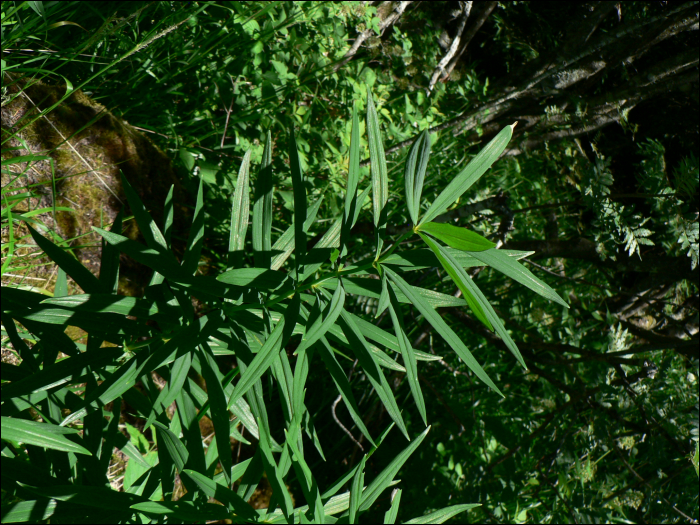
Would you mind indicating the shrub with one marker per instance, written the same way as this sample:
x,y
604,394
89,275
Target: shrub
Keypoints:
x,y
276,319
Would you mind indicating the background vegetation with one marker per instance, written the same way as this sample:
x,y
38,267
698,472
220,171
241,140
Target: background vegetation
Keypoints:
x,y
600,181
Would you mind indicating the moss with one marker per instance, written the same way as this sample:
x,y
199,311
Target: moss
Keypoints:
x,y
87,147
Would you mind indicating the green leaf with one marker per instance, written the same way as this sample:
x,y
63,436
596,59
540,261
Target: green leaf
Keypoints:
x,y
240,209
445,331
262,209
476,299
299,204
421,258
358,484
24,511
390,515
456,237
196,236
256,278
386,476
116,304
262,361
414,174
308,483
470,174
273,474
407,353
369,364
223,494
69,264
73,368
343,386
184,510
40,434
351,203
513,269
461,278
324,322
380,179
285,243
442,515
176,450
219,413
147,226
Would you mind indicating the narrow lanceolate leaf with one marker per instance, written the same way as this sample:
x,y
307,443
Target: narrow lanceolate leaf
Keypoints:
x,y
220,493
219,413
196,237
380,179
284,245
308,483
409,358
442,515
40,434
461,279
456,237
513,269
325,321
390,515
176,450
169,214
369,364
353,180
358,484
262,361
445,331
148,227
299,204
240,209
274,475
262,209
257,278
69,264
343,386
386,476
414,174
470,174
476,299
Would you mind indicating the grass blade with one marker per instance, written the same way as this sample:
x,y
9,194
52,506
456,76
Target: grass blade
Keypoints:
x,y
445,331
414,174
262,209
240,208
456,237
273,474
284,245
470,174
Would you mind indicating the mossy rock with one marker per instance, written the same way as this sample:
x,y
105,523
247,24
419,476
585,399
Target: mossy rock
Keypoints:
x,y
84,148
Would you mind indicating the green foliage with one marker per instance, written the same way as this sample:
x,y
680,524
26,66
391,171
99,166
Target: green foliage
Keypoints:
x,y
253,332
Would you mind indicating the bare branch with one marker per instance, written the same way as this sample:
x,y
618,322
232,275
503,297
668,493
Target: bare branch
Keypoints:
x,y
466,9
